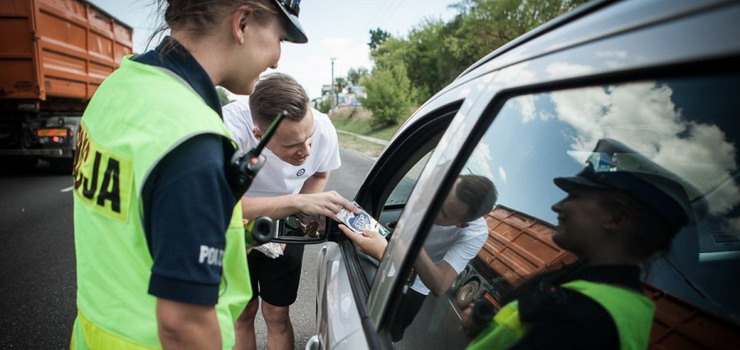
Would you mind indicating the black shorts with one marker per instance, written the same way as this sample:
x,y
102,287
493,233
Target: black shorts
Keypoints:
x,y
409,307
276,280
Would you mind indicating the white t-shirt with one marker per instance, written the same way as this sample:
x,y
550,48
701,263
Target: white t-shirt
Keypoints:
x,y
454,245
277,178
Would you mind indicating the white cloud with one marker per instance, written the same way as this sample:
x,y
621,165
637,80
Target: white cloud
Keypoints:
x,y
480,161
644,117
311,64
515,75
502,174
564,69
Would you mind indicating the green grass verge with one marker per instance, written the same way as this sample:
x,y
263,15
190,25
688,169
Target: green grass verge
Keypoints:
x,y
370,149
359,121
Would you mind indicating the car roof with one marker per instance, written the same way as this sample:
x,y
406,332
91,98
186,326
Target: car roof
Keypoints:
x,y
587,23
604,17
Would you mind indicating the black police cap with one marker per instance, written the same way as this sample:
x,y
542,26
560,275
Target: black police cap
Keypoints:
x,y
612,165
290,9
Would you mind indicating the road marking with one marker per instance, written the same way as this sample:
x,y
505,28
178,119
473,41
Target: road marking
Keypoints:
x,y
454,308
66,189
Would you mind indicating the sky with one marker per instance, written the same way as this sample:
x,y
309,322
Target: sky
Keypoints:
x,y
338,29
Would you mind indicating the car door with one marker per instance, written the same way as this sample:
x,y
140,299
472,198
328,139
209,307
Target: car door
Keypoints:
x,y
346,275
528,121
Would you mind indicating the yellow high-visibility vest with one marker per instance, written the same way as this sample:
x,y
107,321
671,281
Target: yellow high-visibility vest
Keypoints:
x,y
138,115
632,314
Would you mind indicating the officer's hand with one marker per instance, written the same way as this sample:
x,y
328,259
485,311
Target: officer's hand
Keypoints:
x,y
325,203
370,242
476,317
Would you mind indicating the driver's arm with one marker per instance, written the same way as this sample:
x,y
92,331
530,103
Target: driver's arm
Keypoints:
x,y
369,242
437,278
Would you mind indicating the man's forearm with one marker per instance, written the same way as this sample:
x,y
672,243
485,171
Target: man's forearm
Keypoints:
x,y
437,278
275,207
315,183
311,200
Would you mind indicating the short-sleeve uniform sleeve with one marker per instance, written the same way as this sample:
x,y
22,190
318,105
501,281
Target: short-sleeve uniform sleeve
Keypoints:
x,y
187,209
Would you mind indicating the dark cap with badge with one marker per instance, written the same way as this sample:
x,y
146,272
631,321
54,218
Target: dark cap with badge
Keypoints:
x,y
612,165
290,9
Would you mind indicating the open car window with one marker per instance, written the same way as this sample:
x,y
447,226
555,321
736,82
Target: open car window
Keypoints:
x,y
402,191
387,193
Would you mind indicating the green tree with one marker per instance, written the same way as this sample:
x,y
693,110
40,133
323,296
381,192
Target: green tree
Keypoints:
x,y
355,75
340,83
390,53
488,24
428,59
435,52
388,90
377,37
325,105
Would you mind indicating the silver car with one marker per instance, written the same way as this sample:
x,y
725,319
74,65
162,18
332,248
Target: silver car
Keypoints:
x,y
662,77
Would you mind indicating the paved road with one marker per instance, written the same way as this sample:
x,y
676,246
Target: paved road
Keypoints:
x,y
345,181
37,273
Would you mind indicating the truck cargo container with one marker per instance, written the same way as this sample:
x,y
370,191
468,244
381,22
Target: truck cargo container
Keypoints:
x,y
53,56
520,246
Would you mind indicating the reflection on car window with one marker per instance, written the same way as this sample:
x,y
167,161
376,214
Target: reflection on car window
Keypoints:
x,y
687,126
399,188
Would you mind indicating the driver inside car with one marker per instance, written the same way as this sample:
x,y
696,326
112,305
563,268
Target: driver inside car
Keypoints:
x,y
458,233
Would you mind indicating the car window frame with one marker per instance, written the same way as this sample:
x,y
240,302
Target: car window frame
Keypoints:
x,y
378,299
435,121
485,120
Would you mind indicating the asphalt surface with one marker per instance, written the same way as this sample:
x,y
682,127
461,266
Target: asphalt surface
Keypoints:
x,y
37,273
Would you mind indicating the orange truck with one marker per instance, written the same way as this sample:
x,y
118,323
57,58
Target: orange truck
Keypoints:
x,y
520,246
53,56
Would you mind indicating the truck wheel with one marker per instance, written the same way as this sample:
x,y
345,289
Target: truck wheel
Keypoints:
x,y
466,294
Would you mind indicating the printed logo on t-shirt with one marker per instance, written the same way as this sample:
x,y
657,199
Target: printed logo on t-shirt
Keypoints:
x,y
300,172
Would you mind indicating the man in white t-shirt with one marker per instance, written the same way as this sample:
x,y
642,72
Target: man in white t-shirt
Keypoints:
x,y
458,233
299,157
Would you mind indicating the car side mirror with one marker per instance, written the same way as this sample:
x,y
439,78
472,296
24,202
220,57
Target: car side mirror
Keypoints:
x,y
301,229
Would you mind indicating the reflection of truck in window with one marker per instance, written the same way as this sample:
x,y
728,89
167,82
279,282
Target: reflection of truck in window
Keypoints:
x,y
520,246
59,52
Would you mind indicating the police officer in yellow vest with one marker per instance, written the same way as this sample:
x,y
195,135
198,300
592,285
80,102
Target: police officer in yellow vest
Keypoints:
x,y
620,210
158,233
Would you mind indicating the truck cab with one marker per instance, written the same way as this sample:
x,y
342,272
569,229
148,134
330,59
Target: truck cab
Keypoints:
x,y
50,67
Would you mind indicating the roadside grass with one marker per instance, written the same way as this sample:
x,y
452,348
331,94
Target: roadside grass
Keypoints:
x,y
370,149
359,121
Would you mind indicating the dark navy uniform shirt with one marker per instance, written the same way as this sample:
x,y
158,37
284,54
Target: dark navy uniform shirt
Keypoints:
x,y
187,199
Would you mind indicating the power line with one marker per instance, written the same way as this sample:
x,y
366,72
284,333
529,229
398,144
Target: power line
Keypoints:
x,y
392,12
379,14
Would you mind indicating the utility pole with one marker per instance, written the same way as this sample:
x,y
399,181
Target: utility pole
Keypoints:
x,y
333,93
